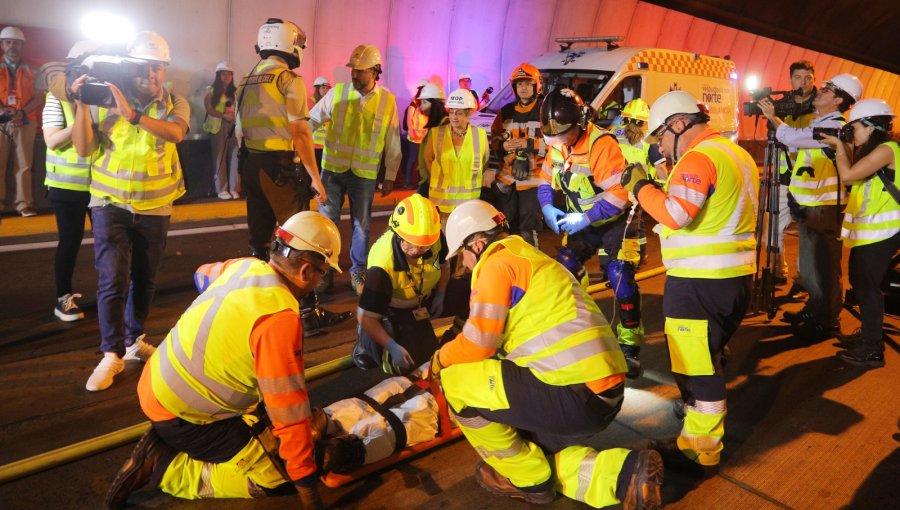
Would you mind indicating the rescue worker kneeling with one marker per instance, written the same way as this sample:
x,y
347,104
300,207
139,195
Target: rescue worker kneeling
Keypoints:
x,y
239,343
559,382
406,266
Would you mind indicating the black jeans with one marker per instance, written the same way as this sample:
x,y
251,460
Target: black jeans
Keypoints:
x,y
868,266
70,208
272,196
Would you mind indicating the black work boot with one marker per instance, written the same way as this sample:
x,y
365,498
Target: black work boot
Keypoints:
x,y
674,459
632,359
644,488
137,470
316,320
495,483
863,356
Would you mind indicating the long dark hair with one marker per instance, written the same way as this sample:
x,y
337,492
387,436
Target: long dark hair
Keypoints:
x,y
880,135
218,88
437,114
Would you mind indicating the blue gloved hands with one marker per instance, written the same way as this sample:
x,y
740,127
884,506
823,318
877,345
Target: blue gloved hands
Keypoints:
x,y
573,222
399,355
437,304
551,216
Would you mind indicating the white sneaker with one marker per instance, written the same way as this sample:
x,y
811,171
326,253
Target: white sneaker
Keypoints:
x,y
139,350
67,310
225,195
235,195
102,377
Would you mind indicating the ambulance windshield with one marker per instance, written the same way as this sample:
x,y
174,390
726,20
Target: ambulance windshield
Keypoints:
x,y
586,83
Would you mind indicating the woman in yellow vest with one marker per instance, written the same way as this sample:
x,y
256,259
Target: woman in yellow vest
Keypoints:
x,y
219,123
871,226
455,156
407,270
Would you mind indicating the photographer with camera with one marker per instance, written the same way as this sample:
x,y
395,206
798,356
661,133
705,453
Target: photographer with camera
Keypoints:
x,y
20,105
278,165
135,178
219,102
871,226
817,195
516,136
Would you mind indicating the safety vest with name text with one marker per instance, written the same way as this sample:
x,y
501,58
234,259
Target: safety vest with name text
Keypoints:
x,y
355,141
408,288
720,242
262,111
456,177
135,167
65,168
872,214
556,329
203,381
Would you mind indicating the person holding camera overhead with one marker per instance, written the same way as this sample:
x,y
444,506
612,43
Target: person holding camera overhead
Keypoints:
x,y
817,198
135,178
516,136
871,226
219,102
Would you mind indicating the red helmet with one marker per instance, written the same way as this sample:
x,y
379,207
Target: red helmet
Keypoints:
x,y
527,72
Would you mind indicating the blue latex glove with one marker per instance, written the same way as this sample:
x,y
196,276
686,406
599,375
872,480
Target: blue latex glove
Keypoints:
x,y
437,304
399,355
573,222
551,216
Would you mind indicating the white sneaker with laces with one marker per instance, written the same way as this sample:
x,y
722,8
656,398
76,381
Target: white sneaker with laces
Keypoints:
x,y
225,195
67,310
235,195
102,377
139,350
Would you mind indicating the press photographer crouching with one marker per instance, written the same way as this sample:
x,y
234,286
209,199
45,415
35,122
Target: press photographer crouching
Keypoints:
x,y
816,199
871,227
135,178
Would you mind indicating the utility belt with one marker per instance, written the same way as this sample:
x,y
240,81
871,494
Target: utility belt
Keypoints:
x,y
279,166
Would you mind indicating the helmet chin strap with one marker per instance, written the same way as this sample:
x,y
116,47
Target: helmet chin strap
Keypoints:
x,y
698,119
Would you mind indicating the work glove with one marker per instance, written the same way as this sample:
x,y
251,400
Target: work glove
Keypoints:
x,y
633,174
437,304
551,216
399,355
573,222
522,165
309,498
434,369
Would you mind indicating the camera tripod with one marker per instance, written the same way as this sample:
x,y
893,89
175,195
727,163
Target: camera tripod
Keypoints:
x,y
767,228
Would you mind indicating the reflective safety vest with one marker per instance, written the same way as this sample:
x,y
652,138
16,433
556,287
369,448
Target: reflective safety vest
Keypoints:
x,y
872,214
821,185
134,167
24,88
800,122
318,135
65,168
212,124
574,176
204,370
556,329
720,242
636,153
416,123
408,288
262,112
456,178
523,125
355,140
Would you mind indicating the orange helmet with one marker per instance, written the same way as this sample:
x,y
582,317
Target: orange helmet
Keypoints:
x,y
527,72
416,221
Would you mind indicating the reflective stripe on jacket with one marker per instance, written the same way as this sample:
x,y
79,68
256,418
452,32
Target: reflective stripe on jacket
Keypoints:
x,y
872,214
456,178
355,141
65,168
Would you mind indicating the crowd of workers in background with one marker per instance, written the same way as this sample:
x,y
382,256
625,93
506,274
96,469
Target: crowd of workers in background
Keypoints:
x,y
283,148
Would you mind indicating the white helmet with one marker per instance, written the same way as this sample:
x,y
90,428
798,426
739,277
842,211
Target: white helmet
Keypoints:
x,y
464,76
469,218
432,91
82,48
148,45
421,83
321,80
849,84
224,66
283,37
12,33
312,231
669,104
364,56
870,108
461,98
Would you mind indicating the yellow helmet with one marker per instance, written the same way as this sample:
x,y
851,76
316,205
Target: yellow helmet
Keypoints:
x,y
636,109
364,56
416,221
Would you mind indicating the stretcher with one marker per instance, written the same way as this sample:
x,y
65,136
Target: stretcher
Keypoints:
x,y
447,431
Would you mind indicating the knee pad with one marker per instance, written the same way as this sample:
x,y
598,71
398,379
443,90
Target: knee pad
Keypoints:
x,y
569,260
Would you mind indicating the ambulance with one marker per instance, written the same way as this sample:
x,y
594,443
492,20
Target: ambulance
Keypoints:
x,y
608,77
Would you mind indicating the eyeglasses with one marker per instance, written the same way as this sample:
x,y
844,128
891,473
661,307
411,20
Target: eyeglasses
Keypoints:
x,y
322,270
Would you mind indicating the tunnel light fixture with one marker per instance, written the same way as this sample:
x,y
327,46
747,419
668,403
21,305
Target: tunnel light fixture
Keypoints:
x,y
751,82
106,27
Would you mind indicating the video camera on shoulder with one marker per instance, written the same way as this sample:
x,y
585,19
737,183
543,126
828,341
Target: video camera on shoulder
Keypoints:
x,y
103,69
784,105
